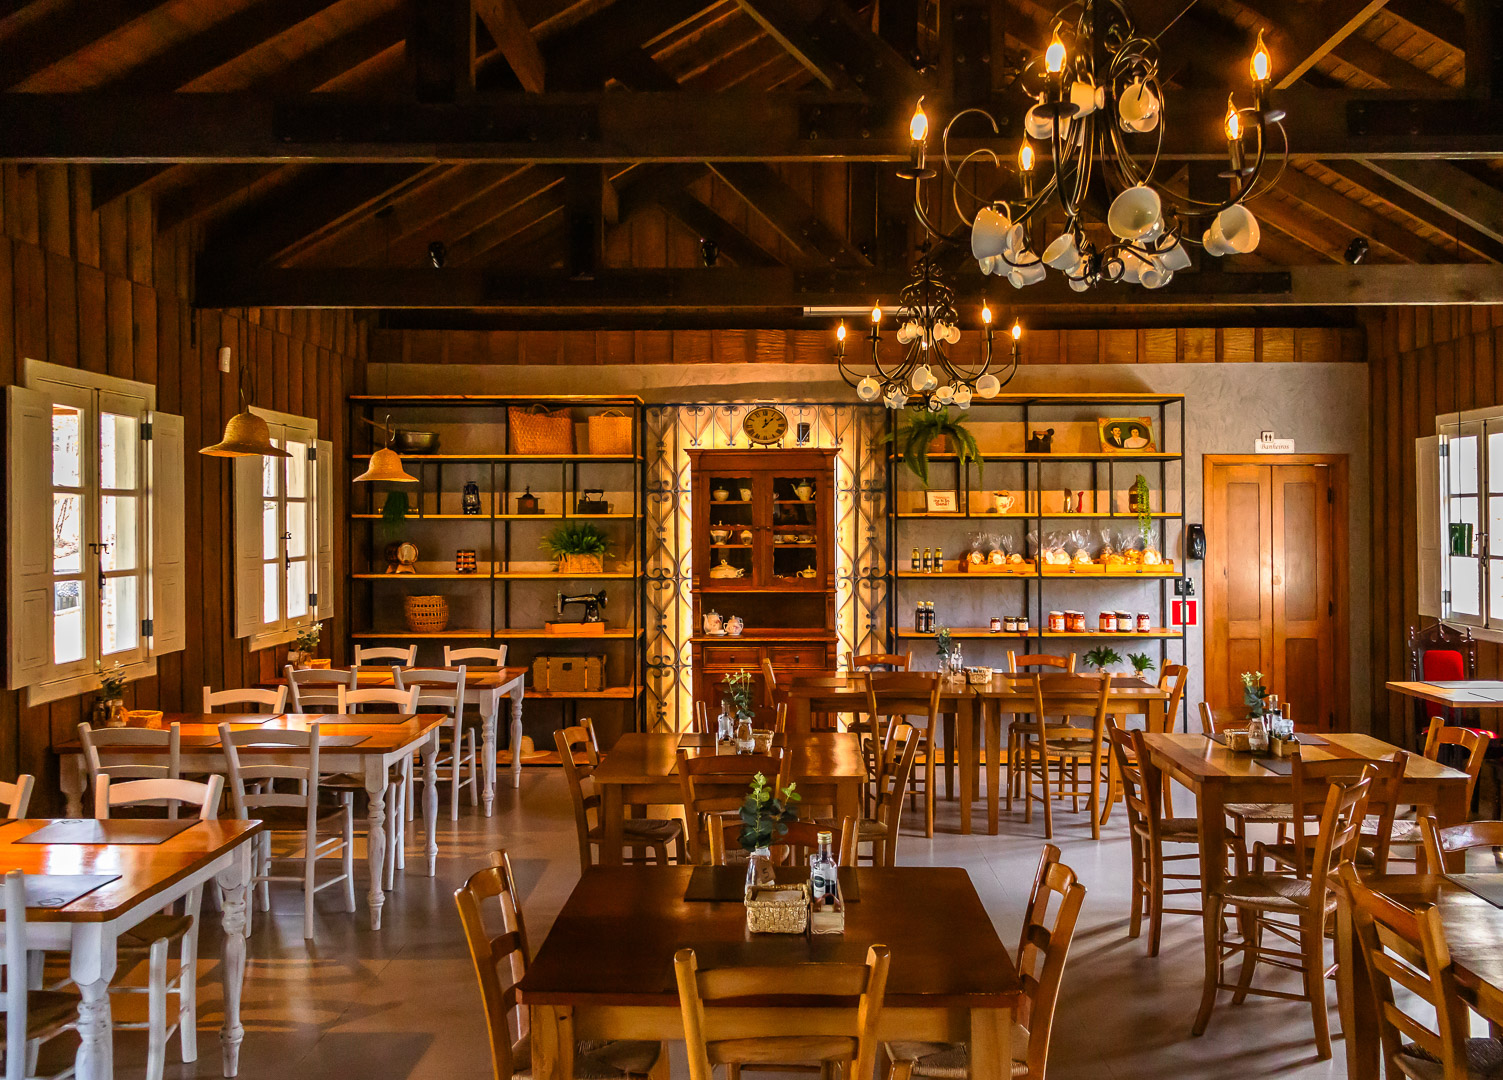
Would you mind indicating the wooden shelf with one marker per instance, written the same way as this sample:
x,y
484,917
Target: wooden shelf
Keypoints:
x,y
502,517
1163,633
426,635
441,576
1031,517
584,401
1021,456
522,458
613,693
976,633
501,575
1048,576
498,635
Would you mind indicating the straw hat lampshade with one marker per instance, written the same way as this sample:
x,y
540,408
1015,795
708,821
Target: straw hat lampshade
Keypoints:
x,y
246,435
386,466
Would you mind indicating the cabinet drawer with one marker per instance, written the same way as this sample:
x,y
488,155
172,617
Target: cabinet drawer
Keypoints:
x,y
797,657
748,656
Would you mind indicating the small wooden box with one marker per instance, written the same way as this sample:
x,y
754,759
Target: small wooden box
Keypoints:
x,y
569,674
575,629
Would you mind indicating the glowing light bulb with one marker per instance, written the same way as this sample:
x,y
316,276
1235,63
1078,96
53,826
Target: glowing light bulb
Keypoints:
x,y
1025,158
986,314
1054,56
1233,121
1017,330
840,332
918,127
876,314
1261,63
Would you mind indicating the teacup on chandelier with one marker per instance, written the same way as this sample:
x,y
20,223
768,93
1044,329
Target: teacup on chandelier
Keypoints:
x,y
928,324
1096,96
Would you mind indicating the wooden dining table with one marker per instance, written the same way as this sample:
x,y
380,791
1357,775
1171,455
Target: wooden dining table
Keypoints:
x,y
1219,776
484,688
605,971
642,770
142,879
1474,935
368,745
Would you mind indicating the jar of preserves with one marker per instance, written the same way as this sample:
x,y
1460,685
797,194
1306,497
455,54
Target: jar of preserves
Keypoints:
x,y
1107,622
1145,624
1124,622
1022,624
1077,622
996,625
1010,624
1057,622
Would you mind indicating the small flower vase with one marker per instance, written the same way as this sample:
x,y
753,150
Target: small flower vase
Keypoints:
x,y
759,869
294,657
108,714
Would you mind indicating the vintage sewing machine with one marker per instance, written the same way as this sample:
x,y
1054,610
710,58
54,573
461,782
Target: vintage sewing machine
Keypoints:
x,y
592,602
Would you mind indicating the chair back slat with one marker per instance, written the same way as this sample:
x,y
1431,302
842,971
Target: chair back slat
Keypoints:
x,y
438,688
315,689
262,701
402,701
405,655
109,750
876,661
246,794
1019,662
1043,949
492,657
1473,746
17,796
110,793
1445,849
1312,779
500,960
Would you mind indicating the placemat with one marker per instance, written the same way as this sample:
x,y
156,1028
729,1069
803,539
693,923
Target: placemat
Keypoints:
x,y
1466,684
1310,740
1487,886
727,884
60,890
1281,765
109,831
324,742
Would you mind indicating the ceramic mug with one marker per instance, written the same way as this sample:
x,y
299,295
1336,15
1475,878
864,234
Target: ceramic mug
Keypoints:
x,y
1005,501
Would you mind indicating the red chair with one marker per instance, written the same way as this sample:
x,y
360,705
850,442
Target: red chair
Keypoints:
x,y
1442,653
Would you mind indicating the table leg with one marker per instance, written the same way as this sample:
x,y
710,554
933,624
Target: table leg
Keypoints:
x,y
552,1042
991,713
991,1044
1212,880
375,834
489,717
612,817
516,734
74,779
92,967
1450,805
798,714
430,797
965,750
848,802
234,882
1354,997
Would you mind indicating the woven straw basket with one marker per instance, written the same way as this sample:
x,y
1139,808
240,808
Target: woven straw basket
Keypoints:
x,y
610,433
535,430
426,614
765,916
580,564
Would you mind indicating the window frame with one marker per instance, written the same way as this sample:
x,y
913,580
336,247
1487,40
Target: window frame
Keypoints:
x,y
303,431
1453,432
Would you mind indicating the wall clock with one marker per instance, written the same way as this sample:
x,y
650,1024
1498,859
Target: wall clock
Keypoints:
x,y
764,425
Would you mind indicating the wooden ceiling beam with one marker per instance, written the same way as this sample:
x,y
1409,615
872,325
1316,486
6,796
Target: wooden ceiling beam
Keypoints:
x,y
665,189
586,55
211,186
514,39
1445,24
110,182
786,211
1450,188
836,47
1352,214
1300,35
1422,210
585,189
441,49
1484,49
669,126
61,32
725,289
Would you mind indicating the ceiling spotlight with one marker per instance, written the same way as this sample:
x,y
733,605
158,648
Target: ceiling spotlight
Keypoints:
x,y
709,251
1356,251
437,254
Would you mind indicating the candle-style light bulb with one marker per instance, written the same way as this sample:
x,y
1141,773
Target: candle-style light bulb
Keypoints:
x,y
876,314
986,314
918,127
1054,56
1017,330
1025,157
840,332
1261,63
1233,121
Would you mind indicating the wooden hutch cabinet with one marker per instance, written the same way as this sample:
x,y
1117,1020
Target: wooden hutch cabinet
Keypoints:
x,y
763,550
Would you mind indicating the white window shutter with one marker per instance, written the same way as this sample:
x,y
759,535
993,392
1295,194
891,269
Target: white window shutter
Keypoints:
x,y
29,447
1427,517
249,616
169,584
323,512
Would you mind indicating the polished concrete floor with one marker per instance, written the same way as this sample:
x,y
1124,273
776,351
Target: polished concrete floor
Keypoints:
x,y
402,1003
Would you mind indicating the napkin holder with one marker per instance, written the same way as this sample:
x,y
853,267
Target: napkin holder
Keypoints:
x,y
777,909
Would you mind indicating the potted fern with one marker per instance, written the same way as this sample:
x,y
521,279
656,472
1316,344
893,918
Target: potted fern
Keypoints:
x,y
579,547
914,441
1102,658
1141,663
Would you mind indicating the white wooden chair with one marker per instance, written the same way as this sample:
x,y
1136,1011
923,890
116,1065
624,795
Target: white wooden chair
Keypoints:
x,y
152,939
442,690
406,656
31,1016
400,785
297,811
17,796
316,689
110,752
492,657
264,701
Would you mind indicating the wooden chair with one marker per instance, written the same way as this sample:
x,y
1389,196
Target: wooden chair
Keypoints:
x,y
881,832
1311,779
792,848
1473,745
879,661
399,783
639,835
1296,907
404,656
297,812
1043,663
1408,947
714,784
262,701
17,796
1241,815
501,960
912,698
828,1037
1172,677
151,939
317,689
441,690
1445,849
32,1017
1041,967
1043,743
114,752
769,683
1150,831
493,657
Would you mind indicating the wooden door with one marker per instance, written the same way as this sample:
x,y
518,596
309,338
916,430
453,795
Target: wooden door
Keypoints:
x,y
1272,602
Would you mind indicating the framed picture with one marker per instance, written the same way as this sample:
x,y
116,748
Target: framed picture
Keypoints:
x,y
941,502
1126,435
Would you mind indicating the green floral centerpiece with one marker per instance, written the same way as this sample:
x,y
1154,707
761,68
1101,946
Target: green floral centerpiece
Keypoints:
x,y
737,696
305,644
924,427
1102,658
1254,693
766,813
1141,663
579,547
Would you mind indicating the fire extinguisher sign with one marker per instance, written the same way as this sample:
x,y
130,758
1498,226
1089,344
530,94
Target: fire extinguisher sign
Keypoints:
x,y
1184,613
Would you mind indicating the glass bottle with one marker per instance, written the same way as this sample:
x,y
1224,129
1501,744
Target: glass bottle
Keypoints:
x,y
918,617
746,742
928,561
939,561
917,564
759,872
725,726
1257,734
826,905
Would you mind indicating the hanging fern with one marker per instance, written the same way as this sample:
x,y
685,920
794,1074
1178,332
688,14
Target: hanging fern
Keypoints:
x,y
913,441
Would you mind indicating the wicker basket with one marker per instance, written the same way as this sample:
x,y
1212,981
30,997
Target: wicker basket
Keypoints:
x,y
580,564
778,916
426,614
535,430
610,432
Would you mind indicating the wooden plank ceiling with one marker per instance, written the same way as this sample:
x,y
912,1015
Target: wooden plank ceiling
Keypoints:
x,y
310,229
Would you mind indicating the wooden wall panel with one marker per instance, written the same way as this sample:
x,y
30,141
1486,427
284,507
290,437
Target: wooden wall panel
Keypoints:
x,y
102,290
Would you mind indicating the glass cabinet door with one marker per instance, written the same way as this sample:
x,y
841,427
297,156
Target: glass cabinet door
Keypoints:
x,y
732,528
795,557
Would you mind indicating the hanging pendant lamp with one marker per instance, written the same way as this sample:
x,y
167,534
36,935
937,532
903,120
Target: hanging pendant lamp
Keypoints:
x,y
386,465
246,435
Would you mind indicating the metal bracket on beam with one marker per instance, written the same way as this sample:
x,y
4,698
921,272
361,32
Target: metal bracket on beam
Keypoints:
x,y
1425,116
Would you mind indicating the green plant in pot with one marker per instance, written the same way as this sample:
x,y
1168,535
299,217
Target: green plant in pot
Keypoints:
x,y
912,441
765,815
305,645
1140,506
1102,658
1141,663
393,515
737,696
579,547
1254,693
109,701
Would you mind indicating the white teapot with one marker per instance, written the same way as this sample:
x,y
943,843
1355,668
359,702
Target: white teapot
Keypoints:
x,y
713,623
